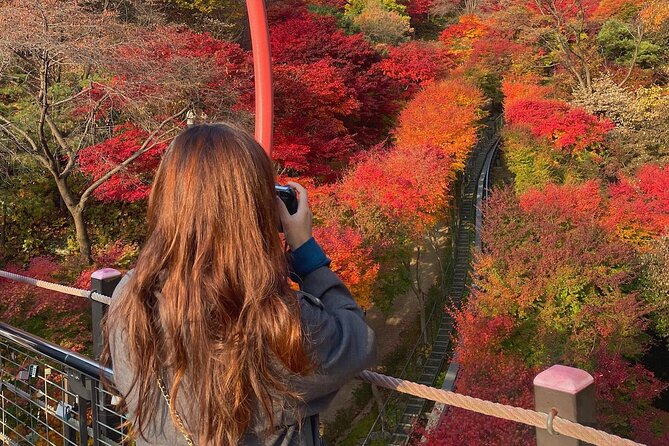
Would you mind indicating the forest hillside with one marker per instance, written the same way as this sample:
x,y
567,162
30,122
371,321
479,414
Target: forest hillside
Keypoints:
x,y
378,106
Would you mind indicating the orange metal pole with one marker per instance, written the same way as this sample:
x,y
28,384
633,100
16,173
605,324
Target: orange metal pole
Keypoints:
x,y
262,70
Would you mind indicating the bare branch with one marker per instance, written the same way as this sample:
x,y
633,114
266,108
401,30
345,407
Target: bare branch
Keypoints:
x,y
21,132
71,98
57,134
43,100
637,44
149,142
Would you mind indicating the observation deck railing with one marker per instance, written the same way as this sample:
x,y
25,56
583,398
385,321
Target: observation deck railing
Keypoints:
x,y
53,396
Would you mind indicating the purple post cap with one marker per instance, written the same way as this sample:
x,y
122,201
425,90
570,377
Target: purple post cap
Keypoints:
x,y
105,273
564,379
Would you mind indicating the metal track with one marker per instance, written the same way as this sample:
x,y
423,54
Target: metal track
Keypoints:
x,y
477,173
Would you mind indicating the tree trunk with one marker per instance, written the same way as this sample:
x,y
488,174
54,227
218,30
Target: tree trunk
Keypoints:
x,y
76,210
423,321
81,227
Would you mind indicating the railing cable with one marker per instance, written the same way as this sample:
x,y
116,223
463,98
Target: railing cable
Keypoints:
x,y
56,287
497,410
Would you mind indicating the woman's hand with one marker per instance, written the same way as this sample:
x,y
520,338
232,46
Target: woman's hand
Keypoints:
x,y
296,227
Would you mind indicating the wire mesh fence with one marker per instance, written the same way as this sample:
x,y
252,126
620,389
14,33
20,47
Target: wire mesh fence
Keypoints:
x,y
43,401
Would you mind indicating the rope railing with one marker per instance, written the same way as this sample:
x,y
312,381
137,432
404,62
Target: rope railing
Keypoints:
x,y
497,410
526,416
56,287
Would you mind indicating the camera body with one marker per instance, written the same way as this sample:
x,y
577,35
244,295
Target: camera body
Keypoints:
x,y
289,197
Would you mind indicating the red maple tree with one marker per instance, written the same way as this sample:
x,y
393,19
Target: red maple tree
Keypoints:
x,y
639,205
569,128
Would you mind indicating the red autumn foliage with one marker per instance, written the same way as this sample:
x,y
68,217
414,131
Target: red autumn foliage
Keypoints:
x,y
384,186
330,93
311,103
419,9
486,371
131,183
639,205
624,392
318,38
61,315
565,204
443,115
351,259
570,129
414,64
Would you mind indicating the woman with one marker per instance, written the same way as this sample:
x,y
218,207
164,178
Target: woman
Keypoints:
x,y
209,344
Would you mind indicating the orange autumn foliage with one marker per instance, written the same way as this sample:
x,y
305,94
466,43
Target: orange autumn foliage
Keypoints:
x,y
351,259
444,115
516,88
655,14
397,193
609,8
460,37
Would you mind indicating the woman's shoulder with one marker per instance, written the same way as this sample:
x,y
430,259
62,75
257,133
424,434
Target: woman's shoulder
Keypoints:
x,y
118,291
116,332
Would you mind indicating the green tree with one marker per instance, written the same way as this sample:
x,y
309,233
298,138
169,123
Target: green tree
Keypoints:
x,y
655,285
382,21
624,44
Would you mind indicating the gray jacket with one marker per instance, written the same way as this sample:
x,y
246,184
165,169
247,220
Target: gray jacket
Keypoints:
x,y
340,340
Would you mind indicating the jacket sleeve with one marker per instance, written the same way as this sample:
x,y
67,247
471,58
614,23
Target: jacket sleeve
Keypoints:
x,y
341,342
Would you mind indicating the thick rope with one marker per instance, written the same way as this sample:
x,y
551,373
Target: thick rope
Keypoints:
x,y
525,416
56,287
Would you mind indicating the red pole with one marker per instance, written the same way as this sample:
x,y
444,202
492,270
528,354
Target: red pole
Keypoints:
x,y
262,70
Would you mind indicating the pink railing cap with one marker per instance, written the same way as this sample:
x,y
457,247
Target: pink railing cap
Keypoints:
x,y
564,379
105,273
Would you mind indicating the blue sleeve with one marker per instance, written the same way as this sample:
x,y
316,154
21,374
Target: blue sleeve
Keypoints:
x,y
341,342
307,259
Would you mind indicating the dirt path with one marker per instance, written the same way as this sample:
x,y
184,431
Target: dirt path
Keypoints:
x,y
388,328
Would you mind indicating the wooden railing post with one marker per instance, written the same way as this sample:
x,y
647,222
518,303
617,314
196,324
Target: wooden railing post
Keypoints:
x,y
571,392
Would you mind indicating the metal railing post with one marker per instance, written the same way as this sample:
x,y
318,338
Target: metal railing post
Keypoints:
x,y
81,387
571,392
103,281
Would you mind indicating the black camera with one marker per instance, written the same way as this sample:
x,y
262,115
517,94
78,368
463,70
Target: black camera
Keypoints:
x,y
289,197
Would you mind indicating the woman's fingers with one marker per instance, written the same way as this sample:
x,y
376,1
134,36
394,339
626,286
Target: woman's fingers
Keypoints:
x,y
297,227
302,196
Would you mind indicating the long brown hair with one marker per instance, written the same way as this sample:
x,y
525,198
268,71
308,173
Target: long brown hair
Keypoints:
x,y
209,300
